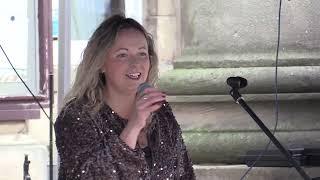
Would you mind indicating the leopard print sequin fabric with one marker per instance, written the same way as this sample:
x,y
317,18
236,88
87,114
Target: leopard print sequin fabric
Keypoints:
x,y
90,148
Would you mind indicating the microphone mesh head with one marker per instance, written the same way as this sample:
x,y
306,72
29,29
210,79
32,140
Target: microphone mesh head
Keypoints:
x,y
142,86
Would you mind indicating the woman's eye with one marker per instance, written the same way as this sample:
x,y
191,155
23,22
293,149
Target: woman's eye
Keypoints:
x,y
122,55
143,54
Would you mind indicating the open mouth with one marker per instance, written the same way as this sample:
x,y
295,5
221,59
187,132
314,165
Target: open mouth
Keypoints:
x,y
134,76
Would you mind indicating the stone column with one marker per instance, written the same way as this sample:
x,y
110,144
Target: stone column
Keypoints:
x,y
161,20
216,39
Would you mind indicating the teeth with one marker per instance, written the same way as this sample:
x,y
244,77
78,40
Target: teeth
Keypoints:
x,y
134,75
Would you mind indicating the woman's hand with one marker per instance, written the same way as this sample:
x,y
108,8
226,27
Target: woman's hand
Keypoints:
x,y
146,103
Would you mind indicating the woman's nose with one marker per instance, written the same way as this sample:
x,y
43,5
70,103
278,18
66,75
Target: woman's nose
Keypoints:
x,y
134,60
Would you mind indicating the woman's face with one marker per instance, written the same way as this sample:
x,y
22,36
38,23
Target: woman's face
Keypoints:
x,y
127,63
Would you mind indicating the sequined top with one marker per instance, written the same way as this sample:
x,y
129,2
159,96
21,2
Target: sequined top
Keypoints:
x,y
90,148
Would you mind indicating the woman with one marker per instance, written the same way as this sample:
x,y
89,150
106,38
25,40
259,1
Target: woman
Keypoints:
x,y
106,130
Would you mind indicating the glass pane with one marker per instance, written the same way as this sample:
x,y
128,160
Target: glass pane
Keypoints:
x,y
86,15
18,39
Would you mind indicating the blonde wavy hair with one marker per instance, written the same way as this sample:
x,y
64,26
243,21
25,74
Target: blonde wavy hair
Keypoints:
x,y
89,81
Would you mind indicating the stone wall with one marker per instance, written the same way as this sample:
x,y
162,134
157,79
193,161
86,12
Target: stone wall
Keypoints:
x,y
226,26
202,43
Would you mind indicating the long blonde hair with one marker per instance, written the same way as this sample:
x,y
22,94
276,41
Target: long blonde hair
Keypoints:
x,y
89,81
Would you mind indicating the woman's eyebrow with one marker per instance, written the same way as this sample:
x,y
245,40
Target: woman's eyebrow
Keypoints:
x,y
121,49
143,47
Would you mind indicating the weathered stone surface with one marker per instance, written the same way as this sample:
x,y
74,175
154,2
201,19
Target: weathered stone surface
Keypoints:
x,y
295,79
150,23
293,115
220,132
221,38
248,97
230,147
224,60
214,26
235,172
166,8
166,39
151,7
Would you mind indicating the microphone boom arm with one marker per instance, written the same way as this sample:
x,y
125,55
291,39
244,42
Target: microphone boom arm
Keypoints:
x,y
239,100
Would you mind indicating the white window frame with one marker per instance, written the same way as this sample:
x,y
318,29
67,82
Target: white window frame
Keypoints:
x,y
16,87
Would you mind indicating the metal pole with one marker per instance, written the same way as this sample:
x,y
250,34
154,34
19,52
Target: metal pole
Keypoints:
x,y
64,41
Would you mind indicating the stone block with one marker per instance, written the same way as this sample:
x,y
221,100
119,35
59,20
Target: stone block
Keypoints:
x,y
166,38
231,147
222,132
150,23
221,26
212,81
232,60
166,8
235,172
293,115
151,7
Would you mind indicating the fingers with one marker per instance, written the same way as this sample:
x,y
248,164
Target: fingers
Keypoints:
x,y
151,96
155,107
150,92
151,100
147,91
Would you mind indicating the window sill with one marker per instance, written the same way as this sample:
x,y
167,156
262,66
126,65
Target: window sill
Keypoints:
x,y
21,108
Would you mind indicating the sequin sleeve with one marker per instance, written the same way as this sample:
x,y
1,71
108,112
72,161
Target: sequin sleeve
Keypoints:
x,y
171,156
184,161
185,170
89,150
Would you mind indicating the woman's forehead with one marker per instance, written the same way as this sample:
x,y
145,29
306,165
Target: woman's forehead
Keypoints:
x,y
130,37
130,32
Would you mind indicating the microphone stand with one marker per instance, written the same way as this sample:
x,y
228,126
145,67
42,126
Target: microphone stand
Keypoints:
x,y
51,96
26,175
238,99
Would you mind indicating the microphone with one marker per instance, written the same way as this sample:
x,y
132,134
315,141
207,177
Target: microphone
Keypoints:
x,y
142,87
237,82
140,90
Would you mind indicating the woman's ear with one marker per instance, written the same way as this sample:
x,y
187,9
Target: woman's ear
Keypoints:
x,y
102,77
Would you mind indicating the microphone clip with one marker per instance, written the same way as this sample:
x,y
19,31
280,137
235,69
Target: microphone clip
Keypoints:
x,y
236,83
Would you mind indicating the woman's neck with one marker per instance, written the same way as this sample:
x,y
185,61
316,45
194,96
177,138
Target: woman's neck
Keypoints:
x,y
120,103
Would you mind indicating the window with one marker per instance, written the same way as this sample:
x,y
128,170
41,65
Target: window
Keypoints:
x,y
86,15
24,35
18,37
